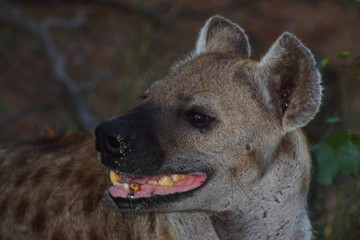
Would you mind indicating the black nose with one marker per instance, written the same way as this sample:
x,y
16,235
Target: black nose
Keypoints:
x,y
115,137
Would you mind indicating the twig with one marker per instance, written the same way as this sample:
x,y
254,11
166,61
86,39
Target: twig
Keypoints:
x,y
57,60
94,81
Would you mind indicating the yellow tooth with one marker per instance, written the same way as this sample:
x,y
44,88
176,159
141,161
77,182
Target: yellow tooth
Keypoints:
x,y
152,182
178,177
135,187
114,177
166,181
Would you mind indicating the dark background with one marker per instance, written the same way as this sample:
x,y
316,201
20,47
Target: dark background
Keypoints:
x,y
112,50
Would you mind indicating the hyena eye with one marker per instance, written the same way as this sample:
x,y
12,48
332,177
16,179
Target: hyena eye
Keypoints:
x,y
143,97
199,120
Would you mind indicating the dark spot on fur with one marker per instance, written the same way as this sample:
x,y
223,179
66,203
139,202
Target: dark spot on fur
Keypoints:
x,y
88,181
21,179
19,162
93,234
78,235
44,196
39,175
233,171
265,215
38,223
58,206
65,170
248,147
90,203
166,234
282,226
79,176
3,207
152,222
57,234
21,209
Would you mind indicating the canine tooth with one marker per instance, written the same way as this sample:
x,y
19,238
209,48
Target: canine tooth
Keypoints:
x,y
135,187
152,182
114,177
166,181
178,177
117,184
124,185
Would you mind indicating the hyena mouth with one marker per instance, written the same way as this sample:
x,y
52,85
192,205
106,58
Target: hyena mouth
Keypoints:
x,y
153,186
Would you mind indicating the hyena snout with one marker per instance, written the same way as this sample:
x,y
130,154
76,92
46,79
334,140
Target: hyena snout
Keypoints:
x,y
115,137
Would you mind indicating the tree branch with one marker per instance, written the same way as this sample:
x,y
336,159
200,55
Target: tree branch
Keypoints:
x,y
56,60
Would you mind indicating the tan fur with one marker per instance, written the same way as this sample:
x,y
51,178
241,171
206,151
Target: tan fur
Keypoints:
x,y
258,157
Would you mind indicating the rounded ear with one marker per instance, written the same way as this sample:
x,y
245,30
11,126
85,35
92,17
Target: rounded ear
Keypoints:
x,y
292,80
221,35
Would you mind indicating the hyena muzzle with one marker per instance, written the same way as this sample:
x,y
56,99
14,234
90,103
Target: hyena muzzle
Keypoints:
x,y
214,151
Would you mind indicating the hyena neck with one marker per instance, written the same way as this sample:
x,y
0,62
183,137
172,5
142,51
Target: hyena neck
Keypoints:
x,y
161,226
255,223
275,206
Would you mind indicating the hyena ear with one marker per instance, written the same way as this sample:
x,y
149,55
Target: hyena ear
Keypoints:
x,y
221,35
293,81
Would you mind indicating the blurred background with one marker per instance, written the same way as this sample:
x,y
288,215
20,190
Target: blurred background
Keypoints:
x,y
67,65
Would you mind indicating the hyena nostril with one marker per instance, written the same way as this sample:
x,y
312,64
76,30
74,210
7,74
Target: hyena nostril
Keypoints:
x,y
113,142
119,145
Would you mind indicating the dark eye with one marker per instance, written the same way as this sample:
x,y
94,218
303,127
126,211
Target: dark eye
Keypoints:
x,y
199,120
143,97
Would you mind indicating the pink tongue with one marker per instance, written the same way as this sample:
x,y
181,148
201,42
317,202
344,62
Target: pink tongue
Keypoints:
x,y
191,181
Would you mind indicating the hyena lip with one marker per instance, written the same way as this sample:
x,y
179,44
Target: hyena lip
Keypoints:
x,y
128,187
153,202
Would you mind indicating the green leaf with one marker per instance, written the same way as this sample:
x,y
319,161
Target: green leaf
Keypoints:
x,y
332,120
343,54
349,158
338,138
357,74
347,3
322,63
326,162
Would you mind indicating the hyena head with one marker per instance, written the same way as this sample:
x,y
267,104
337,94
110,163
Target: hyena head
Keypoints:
x,y
220,130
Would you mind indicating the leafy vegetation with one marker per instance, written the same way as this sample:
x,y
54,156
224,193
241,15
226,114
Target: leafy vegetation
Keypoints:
x,y
336,182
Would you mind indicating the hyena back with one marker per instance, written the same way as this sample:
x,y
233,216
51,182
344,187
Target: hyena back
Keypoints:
x,y
214,151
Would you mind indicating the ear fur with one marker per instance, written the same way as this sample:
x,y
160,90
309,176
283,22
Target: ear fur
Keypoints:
x,y
292,80
222,35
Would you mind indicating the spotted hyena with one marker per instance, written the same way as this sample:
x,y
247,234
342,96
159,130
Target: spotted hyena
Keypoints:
x,y
214,151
